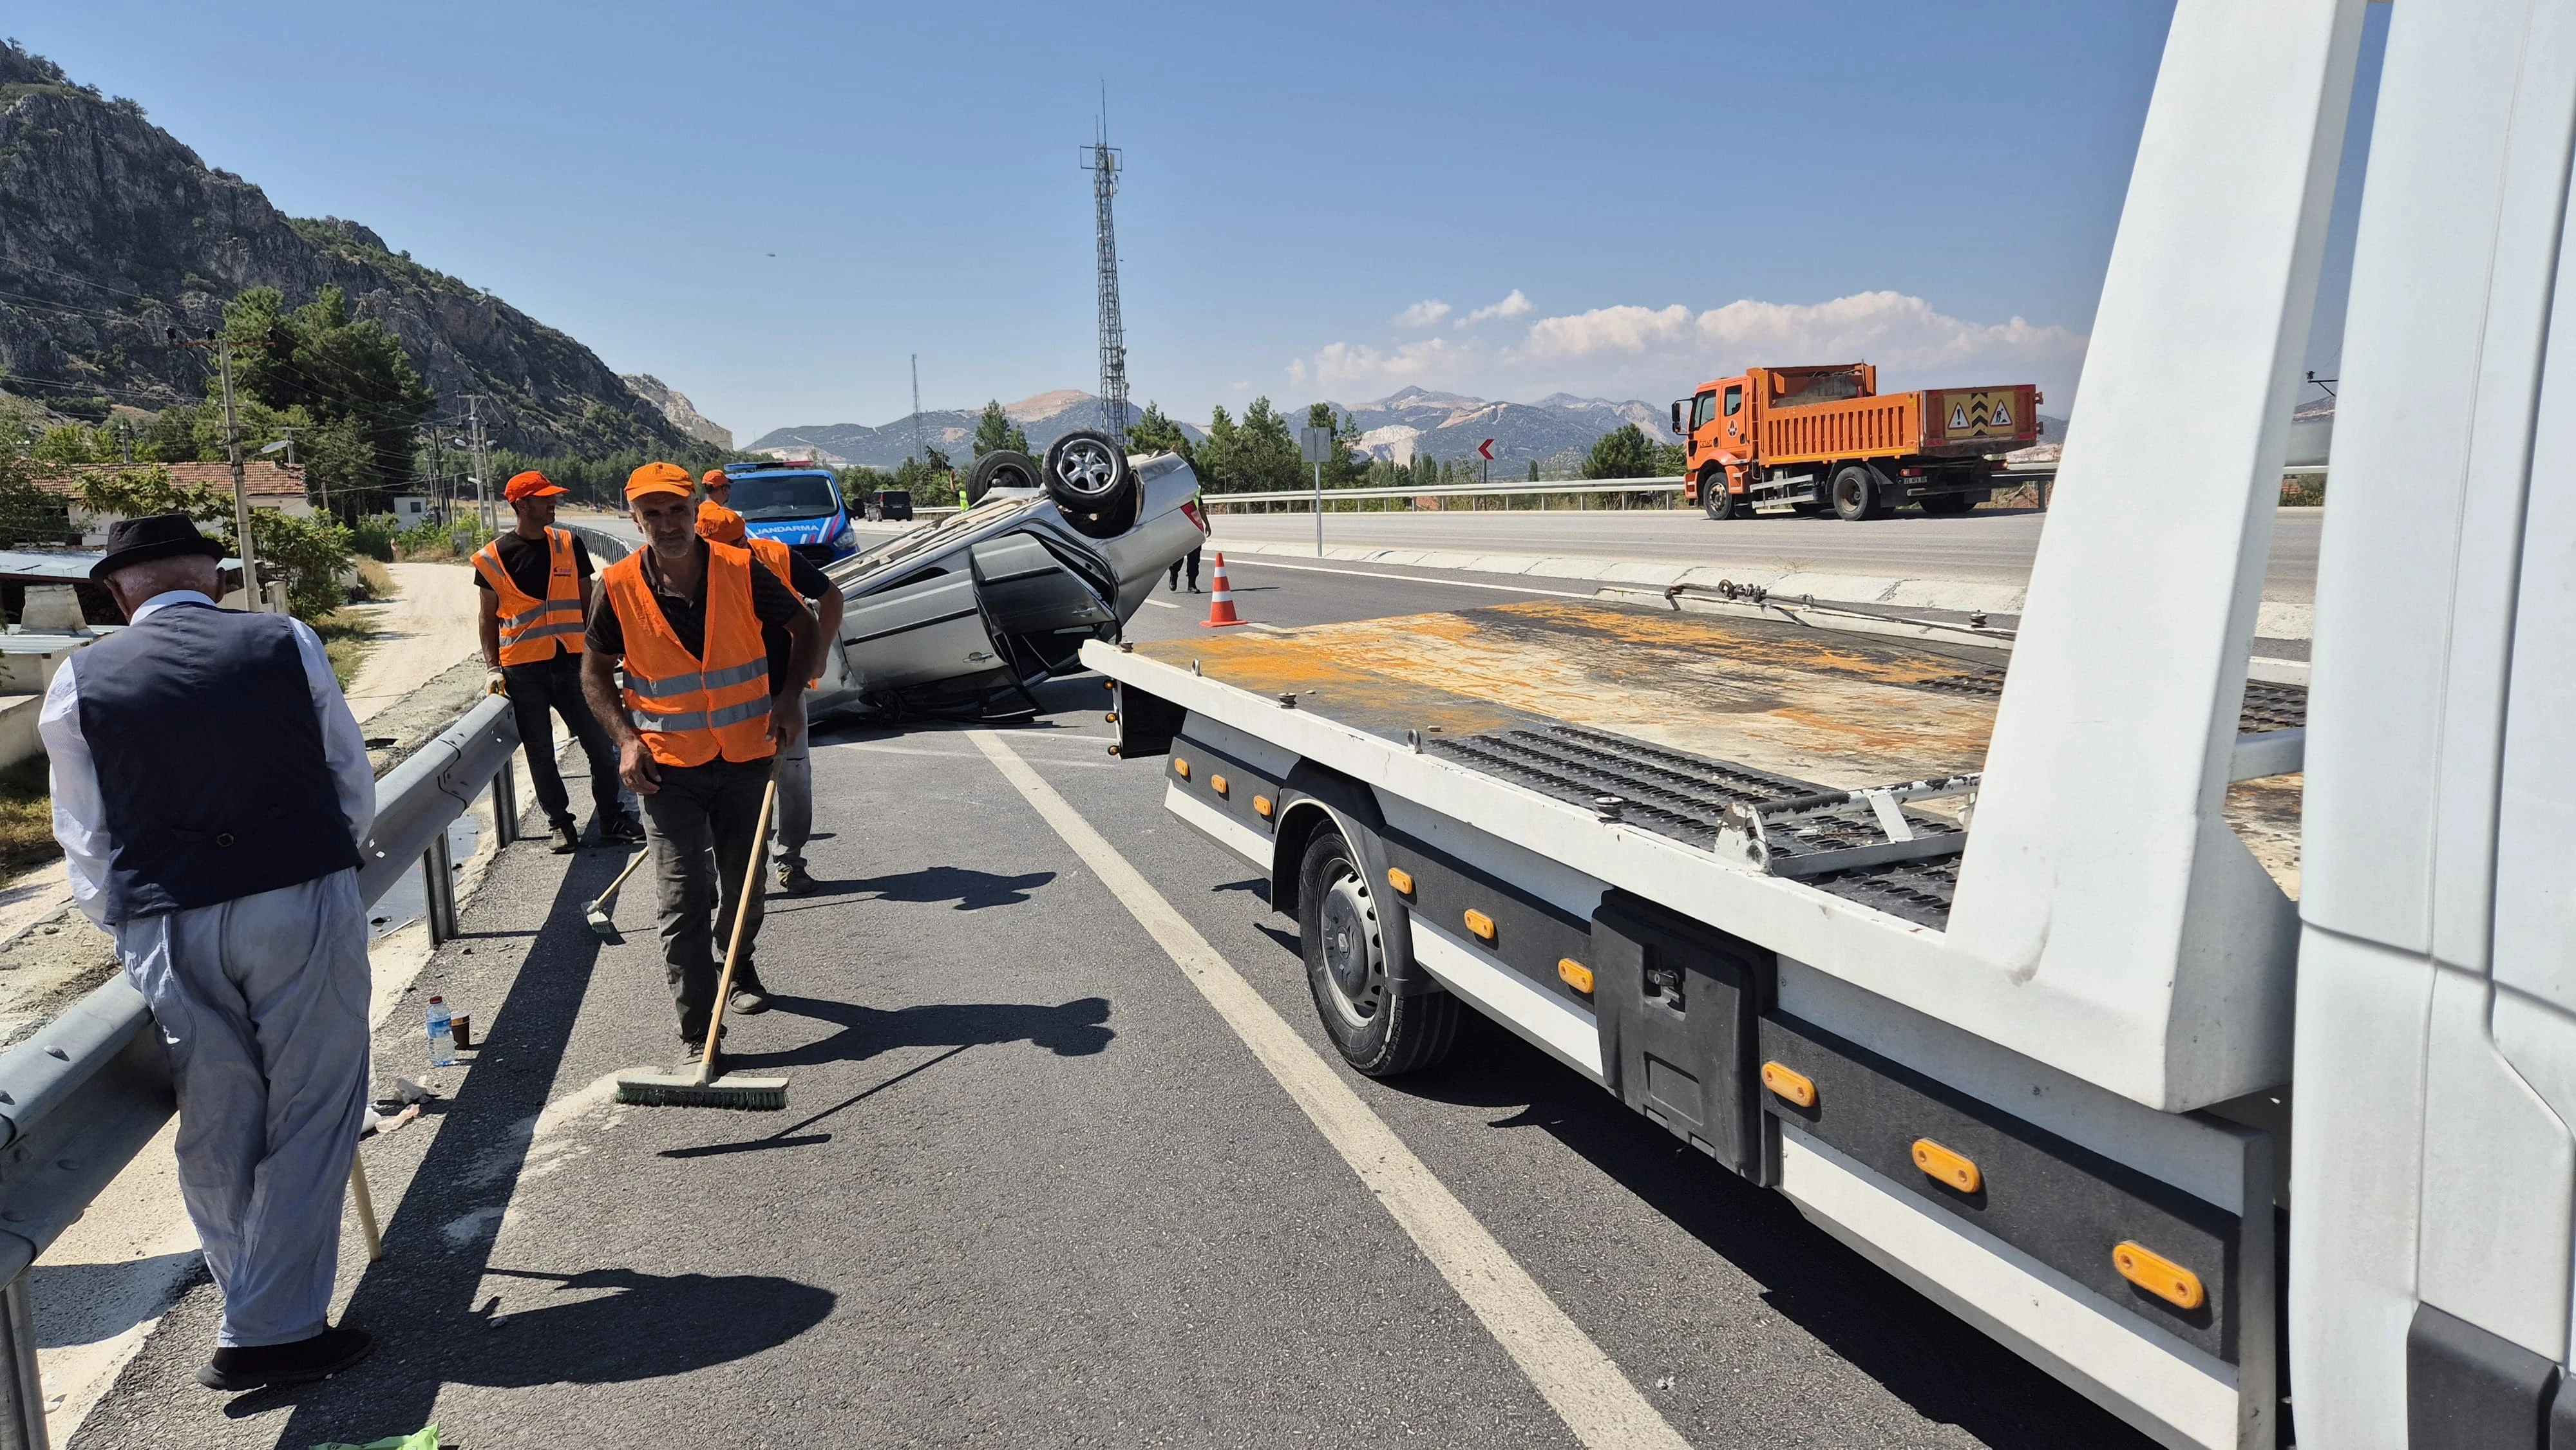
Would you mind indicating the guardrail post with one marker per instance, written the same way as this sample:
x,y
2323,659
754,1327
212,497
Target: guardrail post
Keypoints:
x,y
505,803
22,1389
438,890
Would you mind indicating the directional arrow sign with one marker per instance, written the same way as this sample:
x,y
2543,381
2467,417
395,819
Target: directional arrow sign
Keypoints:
x,y
1486,448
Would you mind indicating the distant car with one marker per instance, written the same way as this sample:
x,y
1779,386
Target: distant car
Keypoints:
x,y
798,504
889,503
966,616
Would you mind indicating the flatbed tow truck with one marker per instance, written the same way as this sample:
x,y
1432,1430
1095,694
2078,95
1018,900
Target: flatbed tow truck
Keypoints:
x,y
2019,961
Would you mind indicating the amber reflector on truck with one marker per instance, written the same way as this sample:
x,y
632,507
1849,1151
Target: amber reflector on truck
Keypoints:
x,y
1949,1167
2158,1275
1574,974
1261,806
1400,879
1109,719
1180,767
1481,925
1795,1087
1217,783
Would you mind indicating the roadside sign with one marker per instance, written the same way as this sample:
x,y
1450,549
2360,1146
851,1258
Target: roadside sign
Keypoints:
x,y
1487,449
1315,445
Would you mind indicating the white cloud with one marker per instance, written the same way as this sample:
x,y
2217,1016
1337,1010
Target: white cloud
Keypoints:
x,y
1421,314
1513,306
1890,329
1344,362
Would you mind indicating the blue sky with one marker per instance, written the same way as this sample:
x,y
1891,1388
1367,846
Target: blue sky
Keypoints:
x,y
1638,196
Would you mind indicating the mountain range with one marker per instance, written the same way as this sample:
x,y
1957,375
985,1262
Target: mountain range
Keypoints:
x,y
113,233
1553,432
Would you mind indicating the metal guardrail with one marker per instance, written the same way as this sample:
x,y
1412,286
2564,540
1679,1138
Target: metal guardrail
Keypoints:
x,y
2015,472
91,1088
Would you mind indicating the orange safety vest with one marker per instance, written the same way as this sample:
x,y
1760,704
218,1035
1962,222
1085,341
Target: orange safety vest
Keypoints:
x,y
692,710
777,555
529,625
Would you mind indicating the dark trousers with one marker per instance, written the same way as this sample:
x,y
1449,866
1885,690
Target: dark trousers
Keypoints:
x,y
700,825
1193,562
555,685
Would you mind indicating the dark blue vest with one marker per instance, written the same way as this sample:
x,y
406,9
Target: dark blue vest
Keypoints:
x,y
209,759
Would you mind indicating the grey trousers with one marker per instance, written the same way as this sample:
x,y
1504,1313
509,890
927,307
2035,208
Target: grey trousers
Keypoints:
x,y
700,826
795,814
263,1002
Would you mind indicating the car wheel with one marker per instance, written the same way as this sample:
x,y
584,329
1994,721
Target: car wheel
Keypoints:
x,y
1719,503
1378,1031
1087,473
1001,468
1855,493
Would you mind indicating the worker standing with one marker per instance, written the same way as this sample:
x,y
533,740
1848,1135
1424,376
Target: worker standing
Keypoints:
x,y
535,586
722,525
210,794
1193,562
717,652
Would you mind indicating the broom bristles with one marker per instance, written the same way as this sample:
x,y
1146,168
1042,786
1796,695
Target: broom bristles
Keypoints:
x,y
681,1090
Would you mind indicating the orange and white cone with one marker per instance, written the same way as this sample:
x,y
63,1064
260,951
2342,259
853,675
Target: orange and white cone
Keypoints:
x,y
1220,601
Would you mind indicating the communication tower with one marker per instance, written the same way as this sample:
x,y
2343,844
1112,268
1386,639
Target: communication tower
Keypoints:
x,y
1102,161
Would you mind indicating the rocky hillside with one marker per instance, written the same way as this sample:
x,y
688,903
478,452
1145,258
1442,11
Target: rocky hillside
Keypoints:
x,y
1045,418
675,405
112,233
1553,432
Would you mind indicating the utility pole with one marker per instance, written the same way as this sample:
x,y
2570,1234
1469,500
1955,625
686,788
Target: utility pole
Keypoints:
x,y
232,449
1102,160
919,450
482,465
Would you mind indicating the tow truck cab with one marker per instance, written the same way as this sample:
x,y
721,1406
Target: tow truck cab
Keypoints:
x,y
798,503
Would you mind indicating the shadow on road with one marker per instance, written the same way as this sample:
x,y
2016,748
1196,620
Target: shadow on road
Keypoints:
x,y
794,1134
971,890
1076,1029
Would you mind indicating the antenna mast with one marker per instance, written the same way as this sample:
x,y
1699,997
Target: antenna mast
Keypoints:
x,y
1101,160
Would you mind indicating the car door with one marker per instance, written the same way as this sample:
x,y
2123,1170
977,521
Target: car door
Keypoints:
x,y
923,629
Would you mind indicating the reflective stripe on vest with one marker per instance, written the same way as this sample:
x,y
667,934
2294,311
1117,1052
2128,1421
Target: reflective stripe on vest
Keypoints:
x,y
531,626
691,709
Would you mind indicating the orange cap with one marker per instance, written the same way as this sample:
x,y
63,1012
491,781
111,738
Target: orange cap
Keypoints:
x,y
719,523
658,478
530,484
715,476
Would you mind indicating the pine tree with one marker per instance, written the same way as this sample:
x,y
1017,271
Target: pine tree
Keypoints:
x,y
995,430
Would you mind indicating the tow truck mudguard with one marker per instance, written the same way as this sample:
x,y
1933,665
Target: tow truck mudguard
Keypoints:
x,y
1354,809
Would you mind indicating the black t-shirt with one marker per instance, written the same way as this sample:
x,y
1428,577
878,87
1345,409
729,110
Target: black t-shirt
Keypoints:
x,y
527,563
805,576
771,604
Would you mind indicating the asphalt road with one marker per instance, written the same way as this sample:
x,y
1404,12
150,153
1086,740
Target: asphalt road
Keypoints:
x,y
1988,546
1031,1190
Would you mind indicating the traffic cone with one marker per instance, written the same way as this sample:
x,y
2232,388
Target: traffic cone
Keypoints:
x,y
1220,601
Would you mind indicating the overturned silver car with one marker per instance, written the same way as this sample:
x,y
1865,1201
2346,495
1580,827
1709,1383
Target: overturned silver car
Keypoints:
x,y
967,615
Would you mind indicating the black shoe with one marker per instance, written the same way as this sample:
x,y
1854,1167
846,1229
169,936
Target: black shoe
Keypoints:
x,y
749,998
621,827
567,837
306,1360
793,879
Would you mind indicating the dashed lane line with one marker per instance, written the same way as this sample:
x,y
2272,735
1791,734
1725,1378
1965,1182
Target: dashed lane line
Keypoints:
x,y
1582,1384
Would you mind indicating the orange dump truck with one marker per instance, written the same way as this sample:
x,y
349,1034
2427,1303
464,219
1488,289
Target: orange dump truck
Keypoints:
x,y
1814,438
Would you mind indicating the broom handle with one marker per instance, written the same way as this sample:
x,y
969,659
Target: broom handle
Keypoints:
x,y
366,1208
751,882
631,863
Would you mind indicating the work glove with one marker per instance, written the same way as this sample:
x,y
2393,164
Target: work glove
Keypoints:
x,y
496,683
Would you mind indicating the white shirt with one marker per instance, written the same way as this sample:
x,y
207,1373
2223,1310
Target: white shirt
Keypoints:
x,y
80,813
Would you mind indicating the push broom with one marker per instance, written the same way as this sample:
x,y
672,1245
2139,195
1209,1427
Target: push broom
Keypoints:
x,y
601,925
702,1088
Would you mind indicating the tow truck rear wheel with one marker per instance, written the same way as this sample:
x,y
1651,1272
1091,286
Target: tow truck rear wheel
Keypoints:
x,y
1379,1032
1855,493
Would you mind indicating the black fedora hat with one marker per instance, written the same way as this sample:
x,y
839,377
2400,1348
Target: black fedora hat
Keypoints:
x,y
153,536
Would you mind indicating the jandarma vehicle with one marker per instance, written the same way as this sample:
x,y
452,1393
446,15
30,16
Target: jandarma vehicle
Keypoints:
x,y
967,615
798,504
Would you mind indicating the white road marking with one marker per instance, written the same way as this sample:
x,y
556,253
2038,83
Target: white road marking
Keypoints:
x,y
1259,562
1586,1389
960,754
1162,604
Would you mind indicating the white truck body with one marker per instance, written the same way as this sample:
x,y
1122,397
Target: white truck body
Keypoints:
x,y
2102,987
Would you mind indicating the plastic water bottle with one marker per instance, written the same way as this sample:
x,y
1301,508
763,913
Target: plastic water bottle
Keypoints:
x,y
442,1044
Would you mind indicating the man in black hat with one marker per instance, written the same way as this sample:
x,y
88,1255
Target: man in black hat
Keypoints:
x,y
210,794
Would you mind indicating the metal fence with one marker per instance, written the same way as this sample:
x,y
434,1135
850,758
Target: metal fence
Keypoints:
x,y
80,1098
2006,477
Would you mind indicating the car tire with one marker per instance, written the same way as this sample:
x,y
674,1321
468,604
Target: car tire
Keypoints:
x,y
1379,1031
1001,468
1087,473
1720,504
1855,493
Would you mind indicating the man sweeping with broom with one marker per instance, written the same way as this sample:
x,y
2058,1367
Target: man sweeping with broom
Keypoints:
x,y
704,631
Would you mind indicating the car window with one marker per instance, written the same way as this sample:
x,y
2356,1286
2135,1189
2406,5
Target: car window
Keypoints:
x,y
783,496
1734,400
1703,409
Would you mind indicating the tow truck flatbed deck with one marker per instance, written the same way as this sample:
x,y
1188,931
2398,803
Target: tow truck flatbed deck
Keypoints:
x,y
1672,717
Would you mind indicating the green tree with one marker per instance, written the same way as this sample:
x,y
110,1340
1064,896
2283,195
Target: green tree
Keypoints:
x,y
1426,471
1266,460
1533,473
1215,459
311,552
340,371
1349,466
995,430
1621,453
1153,432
